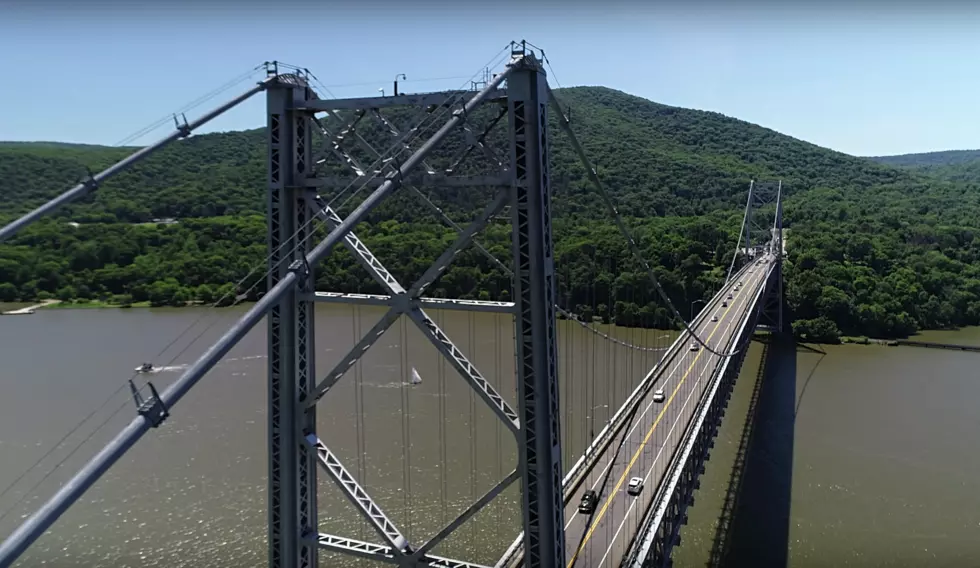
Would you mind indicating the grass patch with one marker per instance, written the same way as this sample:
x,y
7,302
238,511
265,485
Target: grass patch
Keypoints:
x,y
94,304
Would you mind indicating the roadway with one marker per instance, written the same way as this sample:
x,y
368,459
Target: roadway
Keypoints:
x,y
601,539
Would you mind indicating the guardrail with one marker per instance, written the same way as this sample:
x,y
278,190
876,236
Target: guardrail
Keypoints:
x,y
578,472
646,536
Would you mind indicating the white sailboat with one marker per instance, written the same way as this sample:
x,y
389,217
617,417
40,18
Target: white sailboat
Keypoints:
x,y
416,377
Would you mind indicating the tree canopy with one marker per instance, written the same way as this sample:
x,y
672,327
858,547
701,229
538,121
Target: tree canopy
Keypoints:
x,y
880,247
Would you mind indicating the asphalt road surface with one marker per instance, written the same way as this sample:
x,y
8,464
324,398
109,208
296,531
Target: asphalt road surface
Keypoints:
x,y
601,539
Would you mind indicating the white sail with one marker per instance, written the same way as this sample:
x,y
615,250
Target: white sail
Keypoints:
x,y
416,377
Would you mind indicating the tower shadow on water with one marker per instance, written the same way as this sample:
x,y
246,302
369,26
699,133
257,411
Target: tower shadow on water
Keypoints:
x,y
753,527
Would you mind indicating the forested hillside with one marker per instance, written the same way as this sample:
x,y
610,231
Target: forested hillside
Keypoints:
x,y
951,165
925,159
874,250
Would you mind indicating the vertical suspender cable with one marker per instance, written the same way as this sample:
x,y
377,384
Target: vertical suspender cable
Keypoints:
x,y
565,372
358,405
443,446
498,427
408,428
403,382
473,418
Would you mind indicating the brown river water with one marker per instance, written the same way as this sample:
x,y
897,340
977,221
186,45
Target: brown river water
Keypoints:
x,y
860,455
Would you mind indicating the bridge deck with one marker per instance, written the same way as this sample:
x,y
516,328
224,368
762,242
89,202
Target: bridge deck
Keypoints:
x,y
601,539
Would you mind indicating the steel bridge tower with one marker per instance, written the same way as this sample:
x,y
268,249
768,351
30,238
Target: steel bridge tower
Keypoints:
x,y
294,449
762,232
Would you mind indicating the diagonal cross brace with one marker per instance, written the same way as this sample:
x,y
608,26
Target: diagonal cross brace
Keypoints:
x,y
361,252
469,512
474,141
364,256
399,137
331,143
465,368
364,144
408,303
464,238
358,497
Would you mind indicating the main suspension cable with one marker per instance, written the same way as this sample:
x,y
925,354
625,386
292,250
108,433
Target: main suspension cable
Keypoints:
x,y
624,231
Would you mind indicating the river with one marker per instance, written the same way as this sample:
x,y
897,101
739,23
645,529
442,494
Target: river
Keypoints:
x,y
193,492
872,457
856,456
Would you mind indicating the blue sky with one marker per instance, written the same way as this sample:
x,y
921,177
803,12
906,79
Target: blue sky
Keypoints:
x,y
865,80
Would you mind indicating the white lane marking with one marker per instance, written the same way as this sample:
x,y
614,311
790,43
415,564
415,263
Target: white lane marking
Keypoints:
x,y
612,541
638,423
653,465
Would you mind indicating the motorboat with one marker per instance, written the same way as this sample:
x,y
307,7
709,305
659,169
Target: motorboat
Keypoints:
x,y
145,368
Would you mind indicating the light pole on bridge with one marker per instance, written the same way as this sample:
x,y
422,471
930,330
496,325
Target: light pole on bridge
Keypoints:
x,y
694,303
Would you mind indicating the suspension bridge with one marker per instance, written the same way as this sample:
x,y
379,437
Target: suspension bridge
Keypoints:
x,y
623,500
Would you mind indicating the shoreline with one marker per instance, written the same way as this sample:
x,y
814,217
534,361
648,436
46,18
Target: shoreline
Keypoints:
x,y
54,304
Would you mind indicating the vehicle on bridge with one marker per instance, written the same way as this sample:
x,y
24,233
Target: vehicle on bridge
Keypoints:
x,y
635,486
730,295
659,396
714,317
724,304
589,500
694,346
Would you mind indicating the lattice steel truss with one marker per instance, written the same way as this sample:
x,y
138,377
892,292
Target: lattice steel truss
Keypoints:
x,y
522,181
523,184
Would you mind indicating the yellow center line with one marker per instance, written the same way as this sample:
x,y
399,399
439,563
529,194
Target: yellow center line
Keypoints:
x,y
646,438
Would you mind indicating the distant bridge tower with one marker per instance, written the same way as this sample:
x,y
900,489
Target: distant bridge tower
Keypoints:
x,y
763,231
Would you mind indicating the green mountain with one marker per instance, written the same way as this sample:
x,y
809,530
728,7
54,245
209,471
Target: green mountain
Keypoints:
x,y
926,159
874,249
951,165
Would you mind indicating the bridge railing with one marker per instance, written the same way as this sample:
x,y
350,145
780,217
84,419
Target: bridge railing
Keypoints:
x,y
643,543
583,466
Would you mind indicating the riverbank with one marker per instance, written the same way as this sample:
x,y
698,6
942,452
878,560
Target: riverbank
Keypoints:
x,y
867,341
29,309
94,304
83,305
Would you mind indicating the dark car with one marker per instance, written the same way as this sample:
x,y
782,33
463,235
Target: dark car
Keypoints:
x,y
588,503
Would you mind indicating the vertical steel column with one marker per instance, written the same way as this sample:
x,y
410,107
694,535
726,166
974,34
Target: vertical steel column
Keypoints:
x,y
778,270
534,297
292,465
748,219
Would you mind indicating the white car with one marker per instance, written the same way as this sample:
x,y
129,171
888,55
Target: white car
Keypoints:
x,y
694,346
635,486
714,318
659,396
